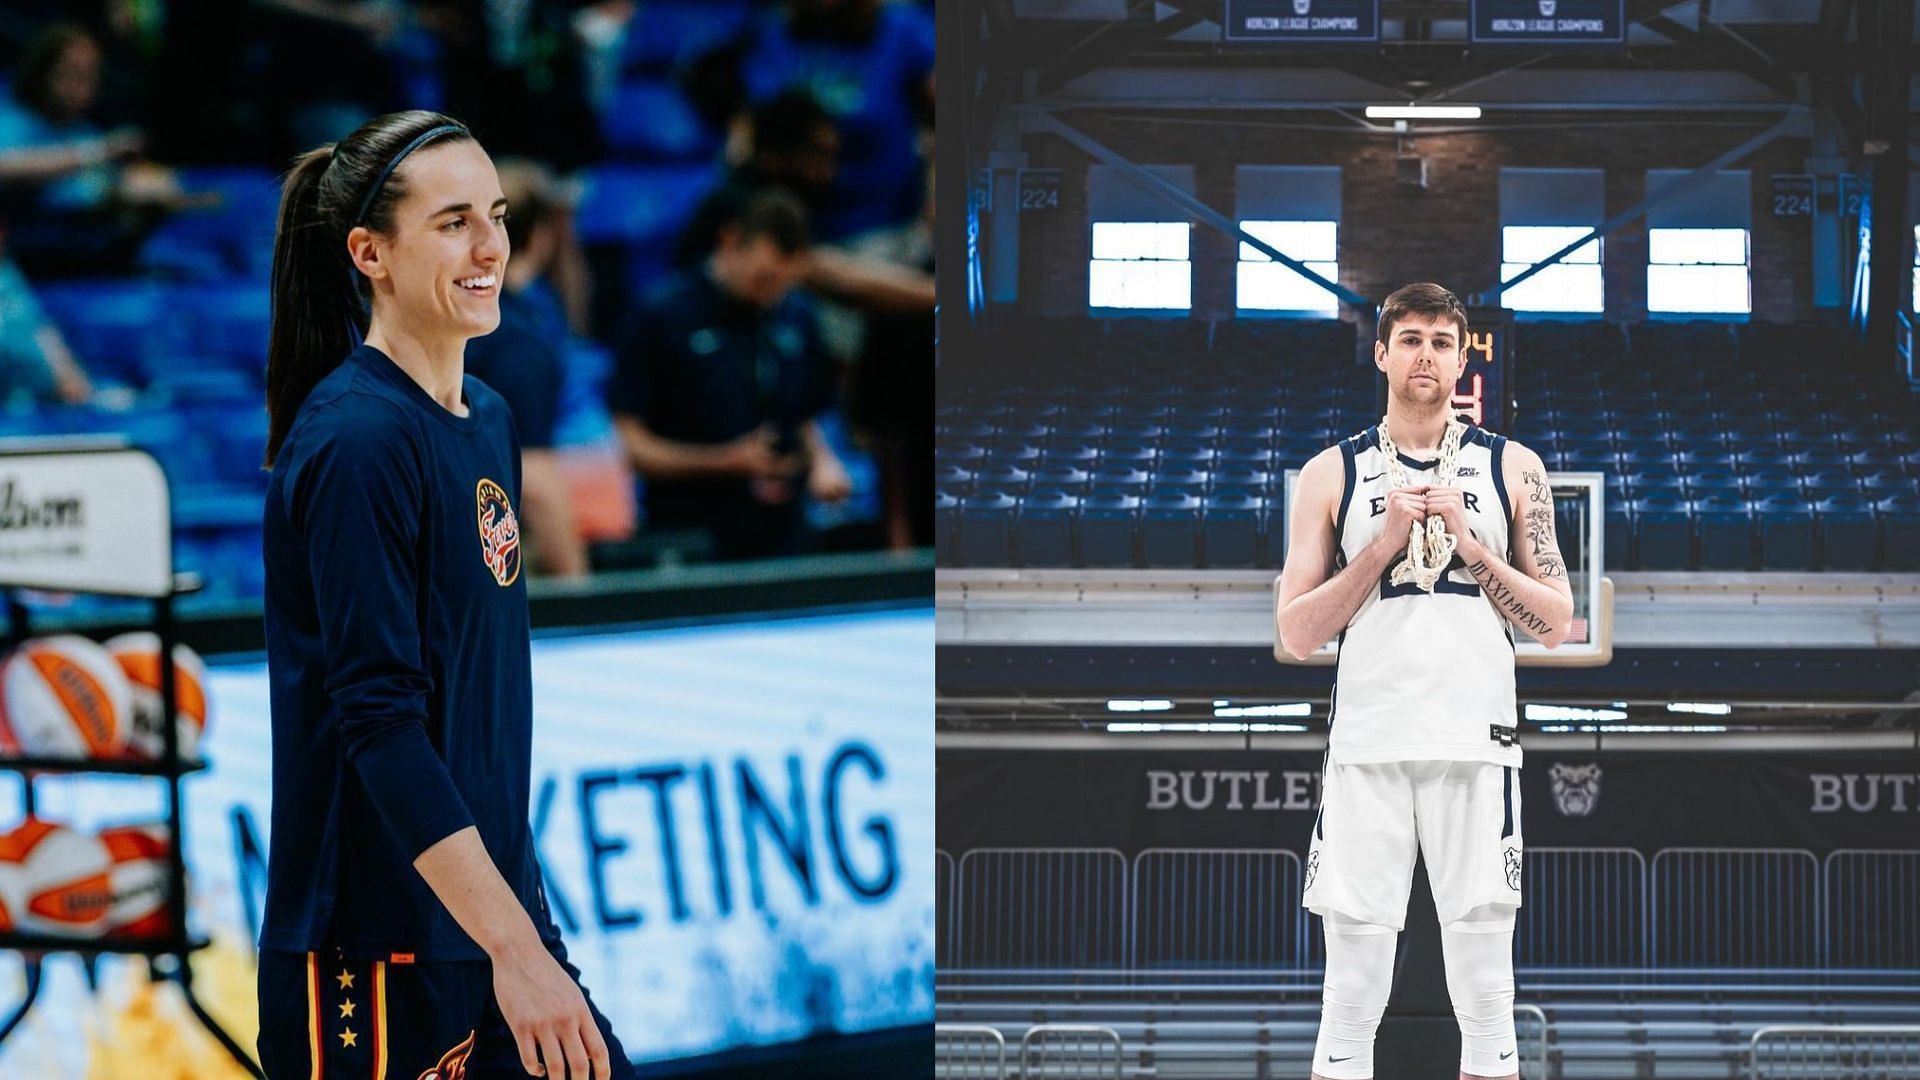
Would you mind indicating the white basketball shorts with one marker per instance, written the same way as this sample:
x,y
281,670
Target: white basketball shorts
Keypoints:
x,y
1464,816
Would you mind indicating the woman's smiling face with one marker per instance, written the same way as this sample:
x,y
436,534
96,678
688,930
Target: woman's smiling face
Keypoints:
x,y
443,262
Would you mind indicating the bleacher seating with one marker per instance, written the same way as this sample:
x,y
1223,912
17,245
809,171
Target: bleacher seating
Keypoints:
x,y
1725,447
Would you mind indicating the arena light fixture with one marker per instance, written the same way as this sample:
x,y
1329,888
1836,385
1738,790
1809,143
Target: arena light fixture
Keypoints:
x,y
1291,708
1137,727
1708,708
1573,713
1414,111
1139,705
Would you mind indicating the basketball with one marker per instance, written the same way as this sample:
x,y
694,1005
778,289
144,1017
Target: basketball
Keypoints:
x,y
63,696
138,655
137,857
55,880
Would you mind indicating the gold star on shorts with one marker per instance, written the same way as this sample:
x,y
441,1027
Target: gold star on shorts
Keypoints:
x,y
347,1037
346,1008
345,979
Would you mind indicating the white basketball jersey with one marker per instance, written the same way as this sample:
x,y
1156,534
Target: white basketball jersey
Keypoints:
x,y
1424,676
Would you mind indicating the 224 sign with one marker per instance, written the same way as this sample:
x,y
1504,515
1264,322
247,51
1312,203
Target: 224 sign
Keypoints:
x,y
1039,190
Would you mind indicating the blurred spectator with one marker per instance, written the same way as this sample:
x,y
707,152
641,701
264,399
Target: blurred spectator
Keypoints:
x,y
73,206
789,141
794,143
717,385
523,361
35,362
870,64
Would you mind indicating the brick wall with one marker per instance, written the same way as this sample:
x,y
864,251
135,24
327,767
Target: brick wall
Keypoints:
x,y
1393,234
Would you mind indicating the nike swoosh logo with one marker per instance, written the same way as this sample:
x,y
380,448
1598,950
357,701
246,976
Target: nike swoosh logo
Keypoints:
x,y
1506,1055
1372,478
1332,1060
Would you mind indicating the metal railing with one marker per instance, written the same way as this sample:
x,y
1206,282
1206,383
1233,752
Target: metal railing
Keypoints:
x,y
1078,1051
1735,907
1872,910
943,910
969,1052
1217,907
1532,1066
1042,907
1834,1052
1585,907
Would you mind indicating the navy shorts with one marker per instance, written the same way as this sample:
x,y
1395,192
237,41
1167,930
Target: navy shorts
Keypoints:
x,y
323,1017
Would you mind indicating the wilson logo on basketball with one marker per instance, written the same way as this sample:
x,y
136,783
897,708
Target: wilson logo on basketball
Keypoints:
x,y
499,532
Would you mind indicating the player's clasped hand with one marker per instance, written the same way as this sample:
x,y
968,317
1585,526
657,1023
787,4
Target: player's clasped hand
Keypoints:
x,y
549,1019
1406,507
1450,504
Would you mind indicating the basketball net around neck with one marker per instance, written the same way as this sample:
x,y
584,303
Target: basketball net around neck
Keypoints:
x,y
1431,546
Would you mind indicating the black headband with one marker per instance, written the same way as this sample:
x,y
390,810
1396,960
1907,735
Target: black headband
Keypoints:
x,y
395,163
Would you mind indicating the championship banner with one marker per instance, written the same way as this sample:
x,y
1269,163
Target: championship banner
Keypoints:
x,y
1135,799
733,821
1287,22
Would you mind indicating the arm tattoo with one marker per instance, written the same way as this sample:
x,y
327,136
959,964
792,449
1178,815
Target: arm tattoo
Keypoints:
x,y
1546,551
1504,600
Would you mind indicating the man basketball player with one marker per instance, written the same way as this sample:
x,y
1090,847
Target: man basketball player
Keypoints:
x,y
1417,542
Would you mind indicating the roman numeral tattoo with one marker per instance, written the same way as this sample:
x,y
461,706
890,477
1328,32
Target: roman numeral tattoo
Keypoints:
x,y
1505,599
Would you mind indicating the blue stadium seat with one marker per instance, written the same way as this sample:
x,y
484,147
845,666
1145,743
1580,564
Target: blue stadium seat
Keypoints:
x,y
1026,429
986,529
1122,477
1043,529
233,238
1010,449
226,322
1833,481
1241,478
1664,531
1238,453
1883,483
1170,530
1178,478
108,323
1071,453
1900,532
1725,526
1004,477
1848,532
651,120
1230,528
1059,476
952,477
1656,481
1786,532
1135,455
1820,459
1106,531
636,205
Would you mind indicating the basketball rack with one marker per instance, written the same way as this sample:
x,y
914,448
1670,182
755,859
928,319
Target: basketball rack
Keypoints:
x,y
104,541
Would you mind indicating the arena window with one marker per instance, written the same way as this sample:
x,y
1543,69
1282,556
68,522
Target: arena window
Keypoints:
x,y
1572,285
1697,271
1542,211
1142,246
1698,245
1140,264
1297,210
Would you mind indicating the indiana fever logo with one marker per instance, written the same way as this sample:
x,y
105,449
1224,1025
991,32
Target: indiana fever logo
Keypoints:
x,y
499,532
453,1063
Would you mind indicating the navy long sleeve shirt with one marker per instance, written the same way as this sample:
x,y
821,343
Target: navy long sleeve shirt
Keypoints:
x,y
399,658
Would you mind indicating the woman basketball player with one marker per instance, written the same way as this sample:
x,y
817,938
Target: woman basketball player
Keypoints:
x,y
406,931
